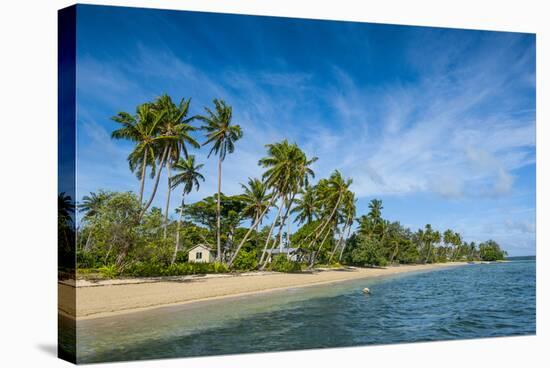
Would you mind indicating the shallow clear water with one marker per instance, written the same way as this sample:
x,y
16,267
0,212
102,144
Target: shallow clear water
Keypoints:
x,y
456,303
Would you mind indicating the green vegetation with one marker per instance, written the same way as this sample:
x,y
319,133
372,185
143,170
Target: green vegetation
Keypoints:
x,y
120,234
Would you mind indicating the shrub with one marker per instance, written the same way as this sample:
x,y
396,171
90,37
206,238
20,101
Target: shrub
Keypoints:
x,y
368,254
281,263
108,272
246,261
144,269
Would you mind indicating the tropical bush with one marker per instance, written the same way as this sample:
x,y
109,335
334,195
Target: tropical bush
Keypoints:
x,y
108,272
490,251
147,269
281,263
369,254
246,261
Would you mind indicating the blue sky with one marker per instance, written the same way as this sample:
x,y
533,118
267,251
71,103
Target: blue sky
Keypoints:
x,y
438,123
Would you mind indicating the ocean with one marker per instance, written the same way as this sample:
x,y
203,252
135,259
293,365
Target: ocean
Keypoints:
x,y
466,302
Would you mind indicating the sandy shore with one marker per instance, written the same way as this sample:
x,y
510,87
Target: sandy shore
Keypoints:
x,y
106,298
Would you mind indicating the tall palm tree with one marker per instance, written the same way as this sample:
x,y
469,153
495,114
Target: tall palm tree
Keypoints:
x,y
332,191
65,208
348,214
448,238
188,175
306,208
143,129
256,197
258,202
375,212
65,223
288,170
175,123
222,135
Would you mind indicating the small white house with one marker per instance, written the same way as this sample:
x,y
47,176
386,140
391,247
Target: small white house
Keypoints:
x,y
201,253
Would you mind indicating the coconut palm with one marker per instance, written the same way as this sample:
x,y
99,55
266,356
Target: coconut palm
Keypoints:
x,y
65,208
187,175
376,208
175,123
258,202
288,170
256,197
222,135
348,215
306,208
331,193
143,129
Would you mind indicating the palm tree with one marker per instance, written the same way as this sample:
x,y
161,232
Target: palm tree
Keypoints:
x,y
142,128
448,236
348,213
306,207
222,135
65,224
65,208
331,192
189,176
375,212
258,202
457,242
90,206
256,197
288,170
175,124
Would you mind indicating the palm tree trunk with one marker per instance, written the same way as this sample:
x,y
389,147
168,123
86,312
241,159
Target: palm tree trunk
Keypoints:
x,y
143,171
267,240
345,243
155,187
250,231
177,246
168,171
88,240
338,243
218,212
283,221
327,221
394,252
320,246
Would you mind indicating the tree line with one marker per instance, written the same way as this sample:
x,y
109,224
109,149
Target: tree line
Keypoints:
x,y
121,232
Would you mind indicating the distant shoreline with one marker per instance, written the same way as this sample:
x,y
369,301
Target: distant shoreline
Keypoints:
x,y
116,297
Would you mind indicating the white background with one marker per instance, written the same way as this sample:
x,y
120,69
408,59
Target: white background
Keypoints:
x,y
28,187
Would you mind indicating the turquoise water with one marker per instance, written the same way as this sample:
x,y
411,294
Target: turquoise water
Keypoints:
x,y
465,302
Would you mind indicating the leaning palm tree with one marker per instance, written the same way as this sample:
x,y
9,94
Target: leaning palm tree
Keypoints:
x,y
332,191
288,170
256,197
176,124
306,208
348,214
188,176
222,135
143,129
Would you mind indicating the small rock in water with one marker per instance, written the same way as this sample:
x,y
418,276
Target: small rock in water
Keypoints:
x,y
366,291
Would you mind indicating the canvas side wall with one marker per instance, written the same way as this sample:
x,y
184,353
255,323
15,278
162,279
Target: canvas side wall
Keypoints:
x,y
66,183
